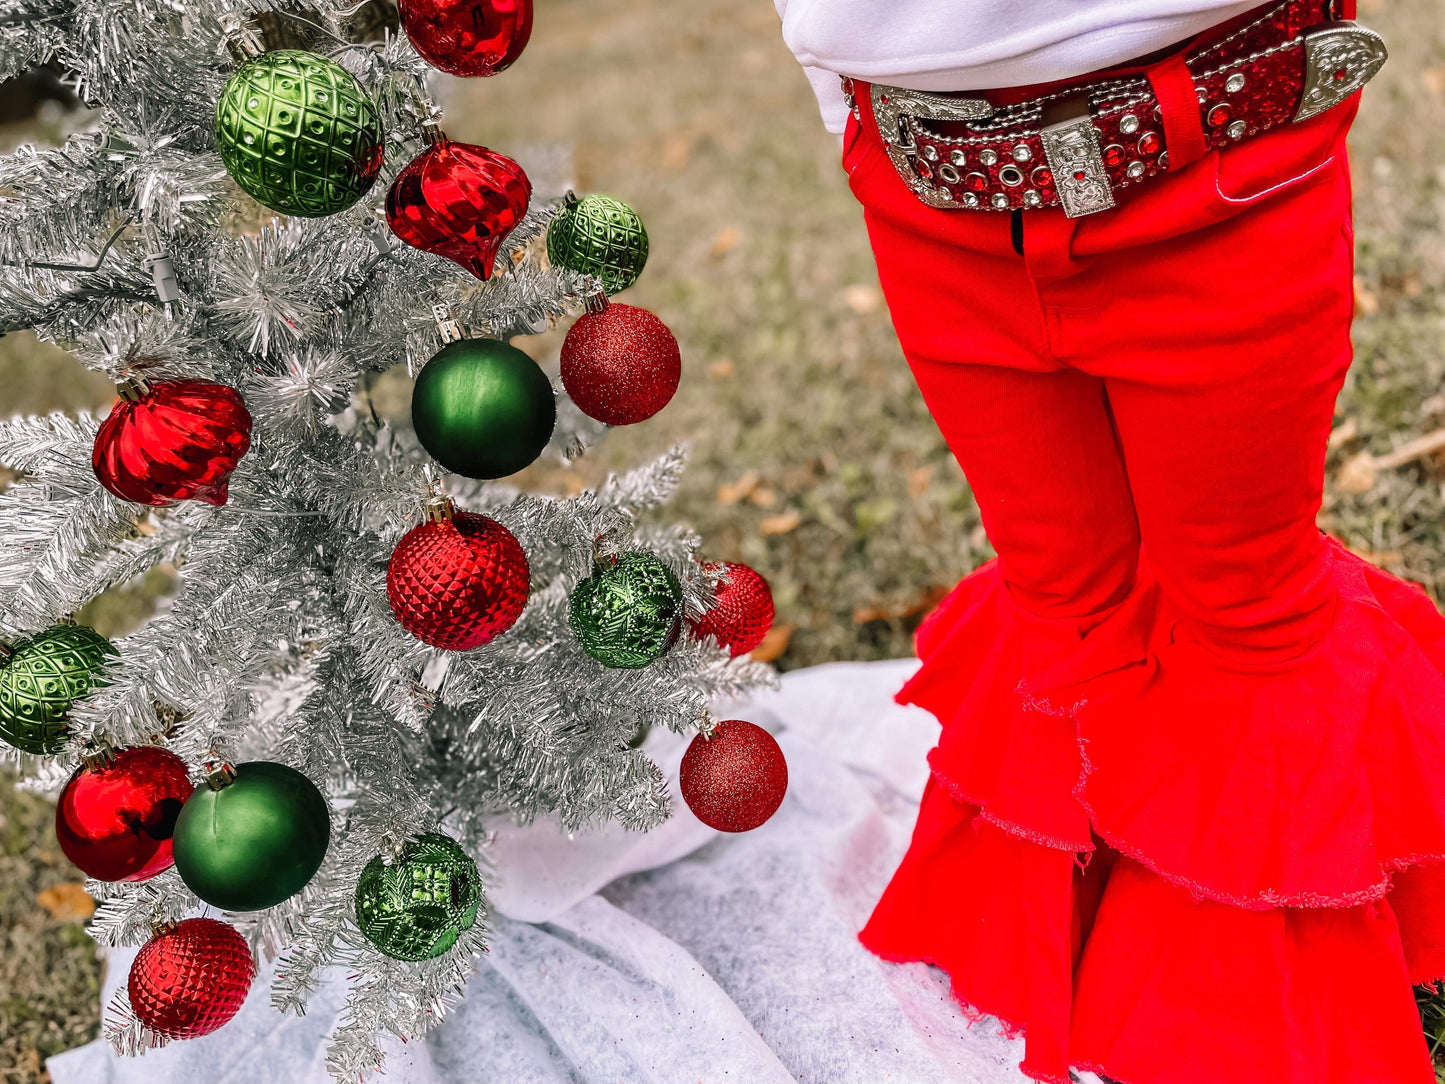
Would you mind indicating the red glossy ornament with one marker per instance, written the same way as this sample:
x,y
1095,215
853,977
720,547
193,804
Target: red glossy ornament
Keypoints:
x,y
458,583
459,201
620,365
191,979
115,820
468,37
735,780
176,440
743,612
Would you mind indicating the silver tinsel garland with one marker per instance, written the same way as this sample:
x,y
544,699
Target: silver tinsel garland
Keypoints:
x,y
280,643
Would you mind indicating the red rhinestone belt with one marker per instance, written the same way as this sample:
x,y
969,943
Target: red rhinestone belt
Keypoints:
x,y
1293,62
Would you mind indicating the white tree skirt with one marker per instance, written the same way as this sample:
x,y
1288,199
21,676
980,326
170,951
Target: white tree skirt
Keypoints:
x,y
675,957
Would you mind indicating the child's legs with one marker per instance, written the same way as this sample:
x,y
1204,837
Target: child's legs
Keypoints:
x,y
1039,452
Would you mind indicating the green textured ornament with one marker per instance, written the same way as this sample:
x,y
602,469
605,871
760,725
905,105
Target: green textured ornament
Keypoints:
x,y
41,678
627,613
601,236
483,408
255,841
415,906
299,133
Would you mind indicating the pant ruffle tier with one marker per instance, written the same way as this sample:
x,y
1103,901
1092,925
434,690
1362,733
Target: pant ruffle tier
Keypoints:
x,y
1174,866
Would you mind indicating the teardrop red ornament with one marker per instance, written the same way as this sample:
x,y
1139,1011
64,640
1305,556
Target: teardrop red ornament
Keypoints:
x,y
468,37
177,440
459,201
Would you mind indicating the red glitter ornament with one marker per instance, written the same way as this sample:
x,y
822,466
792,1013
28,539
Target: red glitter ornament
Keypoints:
x,y
743,613
620,365
736,779
468,37
459,582
190,979
459,201
176,440
115,820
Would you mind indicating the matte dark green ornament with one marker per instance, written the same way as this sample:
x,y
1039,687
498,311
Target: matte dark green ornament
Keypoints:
x,y
41,678
600,236
255,841
627,613
482,408
298,133
414,907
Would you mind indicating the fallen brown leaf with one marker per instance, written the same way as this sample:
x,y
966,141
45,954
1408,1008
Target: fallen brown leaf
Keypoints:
x,y
676,150
780,524
1366,303
774,643
1356,474
863,299
1434,80
727,240
763,497
920,481
67,902
1343,433
722,369
731,493
921,603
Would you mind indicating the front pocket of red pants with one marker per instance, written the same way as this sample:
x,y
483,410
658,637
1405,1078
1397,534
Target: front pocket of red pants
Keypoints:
x,y
1292,156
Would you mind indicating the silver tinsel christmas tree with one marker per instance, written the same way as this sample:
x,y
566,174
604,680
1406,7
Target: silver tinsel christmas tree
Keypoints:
x,y
129,247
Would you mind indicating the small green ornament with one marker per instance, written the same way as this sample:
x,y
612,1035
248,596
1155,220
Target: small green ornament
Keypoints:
x,y
482,408
601,236
627,613
40,680
299,133
254,842
417,905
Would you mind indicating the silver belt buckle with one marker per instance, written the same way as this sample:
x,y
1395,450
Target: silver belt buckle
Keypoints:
x,y
1072,148
1340,58
894,110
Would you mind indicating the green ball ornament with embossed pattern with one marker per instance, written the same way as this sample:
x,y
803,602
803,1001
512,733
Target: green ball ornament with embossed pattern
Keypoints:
x,y
600,236
41,678
628,613
415,906
298,133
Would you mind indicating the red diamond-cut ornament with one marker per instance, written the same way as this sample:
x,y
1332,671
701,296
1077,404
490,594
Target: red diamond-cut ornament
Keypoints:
x,y
742,613
458,583
459,201
191,979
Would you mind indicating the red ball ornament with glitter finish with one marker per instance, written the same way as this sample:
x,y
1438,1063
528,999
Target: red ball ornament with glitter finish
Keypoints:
x,y
458,581
175,440
743,612
459,201
620,364
468,37
735,779
116,818
190,979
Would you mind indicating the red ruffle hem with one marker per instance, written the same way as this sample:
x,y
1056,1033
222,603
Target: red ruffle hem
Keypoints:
x,y
1169,866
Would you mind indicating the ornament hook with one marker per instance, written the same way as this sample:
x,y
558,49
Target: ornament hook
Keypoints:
x,y
241,38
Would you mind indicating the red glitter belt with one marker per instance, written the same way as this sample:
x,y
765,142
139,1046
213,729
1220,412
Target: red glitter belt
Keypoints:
x,y
1074,147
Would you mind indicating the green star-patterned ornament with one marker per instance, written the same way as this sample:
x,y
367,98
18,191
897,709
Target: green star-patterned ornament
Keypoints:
x,y
415,906
40,680
599,236
299,133
627,613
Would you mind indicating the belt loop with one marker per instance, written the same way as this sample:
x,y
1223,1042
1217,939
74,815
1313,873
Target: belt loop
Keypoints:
x,y
1173,85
